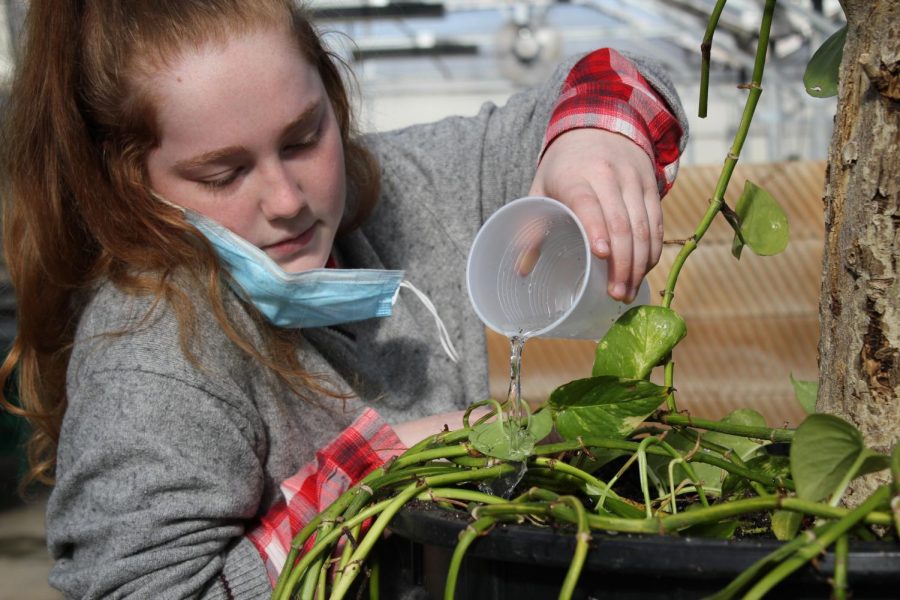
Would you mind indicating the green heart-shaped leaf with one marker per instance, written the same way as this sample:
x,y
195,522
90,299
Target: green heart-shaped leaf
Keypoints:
x,y
764,226
604,406
785,524
821,76
722,530
637,342
710,476
713,478
823,451
541,424
744,447
501,439
776,467
806,393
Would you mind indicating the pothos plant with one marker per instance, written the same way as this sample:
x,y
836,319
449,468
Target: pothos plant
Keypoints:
x,y
617,416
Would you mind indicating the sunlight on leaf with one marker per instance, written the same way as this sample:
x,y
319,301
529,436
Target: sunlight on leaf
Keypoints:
x,y
500,439
638,341
806,393
541,424
604,406
823,452
822,71
764,225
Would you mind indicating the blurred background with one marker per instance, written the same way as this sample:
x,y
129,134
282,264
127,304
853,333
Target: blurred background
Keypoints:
x,y
752,324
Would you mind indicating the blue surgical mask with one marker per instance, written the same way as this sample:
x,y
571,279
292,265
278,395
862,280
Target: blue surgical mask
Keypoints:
x,y
313,298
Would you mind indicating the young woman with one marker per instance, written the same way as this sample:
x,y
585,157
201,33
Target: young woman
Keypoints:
x,y
202,248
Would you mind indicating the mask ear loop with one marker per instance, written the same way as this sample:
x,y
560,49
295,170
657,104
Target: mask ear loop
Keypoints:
x,y
444,336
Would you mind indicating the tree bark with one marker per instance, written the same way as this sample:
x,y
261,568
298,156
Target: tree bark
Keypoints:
x,y
859,347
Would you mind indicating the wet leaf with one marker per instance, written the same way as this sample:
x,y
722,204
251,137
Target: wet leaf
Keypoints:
x,y
822,72
806,393
604,406
638,341
501,439
824,450
764,226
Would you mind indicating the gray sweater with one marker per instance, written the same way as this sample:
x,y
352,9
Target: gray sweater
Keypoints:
x,y
163,464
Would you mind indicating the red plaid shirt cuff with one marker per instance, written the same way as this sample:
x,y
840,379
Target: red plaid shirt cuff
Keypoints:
x,y
353,454
606,91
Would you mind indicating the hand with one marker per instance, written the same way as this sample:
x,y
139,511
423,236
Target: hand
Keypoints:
x,y
608,181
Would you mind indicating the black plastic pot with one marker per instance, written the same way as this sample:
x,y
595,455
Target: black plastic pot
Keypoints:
x,y
525,562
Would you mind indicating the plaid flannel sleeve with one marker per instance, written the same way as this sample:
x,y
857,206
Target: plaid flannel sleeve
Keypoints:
x,y
353,454
605,90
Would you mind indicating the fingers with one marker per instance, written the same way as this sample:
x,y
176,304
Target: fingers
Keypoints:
x,y
609,183
655,217
619,225
527,246
527,258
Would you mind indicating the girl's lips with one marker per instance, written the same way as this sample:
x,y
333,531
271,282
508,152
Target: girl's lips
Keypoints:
x,y
289,247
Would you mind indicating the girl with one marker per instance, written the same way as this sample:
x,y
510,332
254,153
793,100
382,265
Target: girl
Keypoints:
x,y
179,173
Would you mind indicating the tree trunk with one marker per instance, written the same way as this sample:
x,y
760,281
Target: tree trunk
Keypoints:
x,y
859,348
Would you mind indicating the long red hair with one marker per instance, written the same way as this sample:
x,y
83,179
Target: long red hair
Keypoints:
x,y
77,207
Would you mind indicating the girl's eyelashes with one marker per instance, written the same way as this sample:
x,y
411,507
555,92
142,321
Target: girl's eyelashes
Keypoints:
x,y
303,143
223,181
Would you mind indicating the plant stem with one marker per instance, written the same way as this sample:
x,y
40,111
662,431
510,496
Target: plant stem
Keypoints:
x,y
329,514
725,451
848,477
617,505
466,537
342,585
374,580
750,431
705,49
839,583
895,501
692,475
582,539
819,544
755,87
671,406
323,545
429,455
409,474
751,572
633,446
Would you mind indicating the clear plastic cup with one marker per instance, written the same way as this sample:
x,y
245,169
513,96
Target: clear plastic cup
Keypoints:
x,y
531,273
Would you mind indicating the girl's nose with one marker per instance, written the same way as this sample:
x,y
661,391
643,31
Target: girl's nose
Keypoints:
x,y
281,197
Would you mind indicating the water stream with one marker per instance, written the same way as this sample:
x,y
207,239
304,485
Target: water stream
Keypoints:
x,y
516,420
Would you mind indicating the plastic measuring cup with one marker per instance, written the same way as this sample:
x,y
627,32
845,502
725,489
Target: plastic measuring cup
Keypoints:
x,y
562,296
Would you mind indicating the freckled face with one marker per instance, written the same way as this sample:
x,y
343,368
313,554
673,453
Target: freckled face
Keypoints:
x,y
248,138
